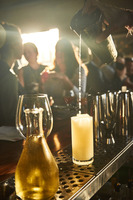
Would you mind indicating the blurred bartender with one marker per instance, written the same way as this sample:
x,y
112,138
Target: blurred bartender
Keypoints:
x,y
118,14
10,51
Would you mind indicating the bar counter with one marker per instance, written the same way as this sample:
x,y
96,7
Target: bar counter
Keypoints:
x,y
76,182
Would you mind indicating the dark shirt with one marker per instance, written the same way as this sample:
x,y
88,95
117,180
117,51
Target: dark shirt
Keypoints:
x,y
131,78
8,95
119,3
95,80
116,83
32,78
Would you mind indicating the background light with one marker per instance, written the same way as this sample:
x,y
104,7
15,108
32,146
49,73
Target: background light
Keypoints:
x,y
45,42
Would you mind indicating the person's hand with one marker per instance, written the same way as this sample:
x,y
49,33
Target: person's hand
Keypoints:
x,y
46,74
114,18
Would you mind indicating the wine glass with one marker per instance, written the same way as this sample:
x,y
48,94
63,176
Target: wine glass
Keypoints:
x,y
34,101
69,98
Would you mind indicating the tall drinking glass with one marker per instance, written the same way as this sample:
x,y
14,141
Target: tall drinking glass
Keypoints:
x,y
82,139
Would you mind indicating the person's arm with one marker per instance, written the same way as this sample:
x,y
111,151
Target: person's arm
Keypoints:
x,y
8,100
69,83
21,77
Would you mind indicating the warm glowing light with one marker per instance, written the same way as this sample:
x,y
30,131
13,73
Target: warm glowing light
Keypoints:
x,y
45,42
56,141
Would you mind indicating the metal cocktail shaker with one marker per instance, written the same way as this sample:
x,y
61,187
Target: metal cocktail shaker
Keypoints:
x,y
125,112
89,26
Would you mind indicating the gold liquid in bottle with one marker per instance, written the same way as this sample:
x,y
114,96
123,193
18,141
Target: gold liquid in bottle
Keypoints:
x,y
37,174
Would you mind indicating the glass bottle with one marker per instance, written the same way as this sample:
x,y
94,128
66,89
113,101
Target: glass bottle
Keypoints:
x,y
37,174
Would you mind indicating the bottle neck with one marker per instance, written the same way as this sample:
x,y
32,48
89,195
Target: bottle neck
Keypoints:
x,y
34,119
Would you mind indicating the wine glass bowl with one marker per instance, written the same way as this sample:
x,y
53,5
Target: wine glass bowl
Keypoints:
x,y
33,102
69,97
